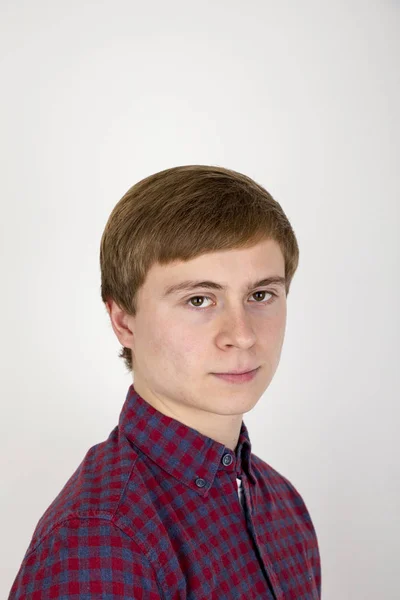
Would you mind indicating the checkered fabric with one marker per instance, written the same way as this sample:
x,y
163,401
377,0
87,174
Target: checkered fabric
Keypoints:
x,y
153,513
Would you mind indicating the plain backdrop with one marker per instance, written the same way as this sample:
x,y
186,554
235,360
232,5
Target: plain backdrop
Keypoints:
x,y
302,96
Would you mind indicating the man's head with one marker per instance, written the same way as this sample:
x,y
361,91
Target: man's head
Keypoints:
x,y
198,223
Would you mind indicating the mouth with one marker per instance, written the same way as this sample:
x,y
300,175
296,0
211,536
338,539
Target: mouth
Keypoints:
x,y
237,372
237,377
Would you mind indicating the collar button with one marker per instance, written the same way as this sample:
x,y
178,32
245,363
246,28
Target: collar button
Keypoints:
x,y
200,482
227,459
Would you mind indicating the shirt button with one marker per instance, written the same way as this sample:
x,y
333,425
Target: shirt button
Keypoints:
x,y
227,459
200,482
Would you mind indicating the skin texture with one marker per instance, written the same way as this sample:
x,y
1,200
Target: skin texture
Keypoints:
x,y
177,346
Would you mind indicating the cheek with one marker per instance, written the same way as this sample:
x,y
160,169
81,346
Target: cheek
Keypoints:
x,y
271,332
188,345
279,332
183,346
278,318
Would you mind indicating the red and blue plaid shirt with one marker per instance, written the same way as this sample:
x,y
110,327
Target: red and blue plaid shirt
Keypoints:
x,y
153,513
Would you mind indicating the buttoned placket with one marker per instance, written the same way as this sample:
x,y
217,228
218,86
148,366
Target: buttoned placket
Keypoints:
x,y
227,460
265,564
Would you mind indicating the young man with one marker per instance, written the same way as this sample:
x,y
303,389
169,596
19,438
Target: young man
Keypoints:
x,y
196,264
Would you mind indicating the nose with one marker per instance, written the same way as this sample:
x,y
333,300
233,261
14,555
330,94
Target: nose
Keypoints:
x,y
238,327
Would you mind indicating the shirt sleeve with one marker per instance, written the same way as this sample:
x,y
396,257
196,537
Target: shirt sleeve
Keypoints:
x,y
86,559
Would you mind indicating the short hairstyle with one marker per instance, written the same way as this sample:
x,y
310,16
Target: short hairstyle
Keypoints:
x,y
179,214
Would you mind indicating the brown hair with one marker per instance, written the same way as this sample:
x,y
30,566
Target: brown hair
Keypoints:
x,y
179,214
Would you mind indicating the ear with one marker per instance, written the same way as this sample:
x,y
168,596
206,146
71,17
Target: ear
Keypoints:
x,y
120,323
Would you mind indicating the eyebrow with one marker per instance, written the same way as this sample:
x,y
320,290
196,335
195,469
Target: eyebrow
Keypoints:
x,y
213,285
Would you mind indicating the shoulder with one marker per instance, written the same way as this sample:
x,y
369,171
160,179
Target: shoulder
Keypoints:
x,y
93,490
86,558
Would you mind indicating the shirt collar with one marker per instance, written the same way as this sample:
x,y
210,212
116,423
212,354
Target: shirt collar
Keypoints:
x,y
183,452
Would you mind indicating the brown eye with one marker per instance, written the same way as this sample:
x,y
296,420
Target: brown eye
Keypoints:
x,y
262,292
196,298
266,292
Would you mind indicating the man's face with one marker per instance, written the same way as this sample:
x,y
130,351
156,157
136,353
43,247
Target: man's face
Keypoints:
x,y
180,339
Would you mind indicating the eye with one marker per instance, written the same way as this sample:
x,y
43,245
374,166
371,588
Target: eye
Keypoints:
x,y
196,298
273,294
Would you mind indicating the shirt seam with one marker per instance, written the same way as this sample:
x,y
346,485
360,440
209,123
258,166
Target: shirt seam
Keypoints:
x,y
150,560
110,520
122,494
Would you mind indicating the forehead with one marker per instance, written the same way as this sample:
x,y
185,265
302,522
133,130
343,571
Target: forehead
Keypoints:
x,y
228,268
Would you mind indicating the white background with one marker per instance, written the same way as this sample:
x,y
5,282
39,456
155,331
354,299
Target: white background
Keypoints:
x,y
302,96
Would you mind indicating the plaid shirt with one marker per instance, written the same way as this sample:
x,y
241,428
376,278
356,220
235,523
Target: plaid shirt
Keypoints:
x,y
153,513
